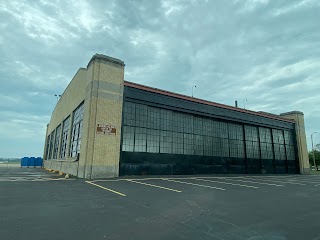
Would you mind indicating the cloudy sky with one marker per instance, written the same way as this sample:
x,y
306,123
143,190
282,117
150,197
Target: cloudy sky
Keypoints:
x,y
267,51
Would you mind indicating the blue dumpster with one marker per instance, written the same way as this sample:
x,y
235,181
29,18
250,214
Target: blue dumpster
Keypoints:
x,y
38,162
31,162
24,162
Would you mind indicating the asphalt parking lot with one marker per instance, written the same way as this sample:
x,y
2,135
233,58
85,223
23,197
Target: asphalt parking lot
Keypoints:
x,y
36,204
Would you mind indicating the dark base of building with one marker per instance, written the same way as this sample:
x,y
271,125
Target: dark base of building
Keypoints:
x,y
175,164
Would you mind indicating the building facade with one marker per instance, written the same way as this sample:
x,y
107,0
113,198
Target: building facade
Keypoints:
x,y
104,126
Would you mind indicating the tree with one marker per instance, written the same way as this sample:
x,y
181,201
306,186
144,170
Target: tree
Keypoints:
x,y
317,157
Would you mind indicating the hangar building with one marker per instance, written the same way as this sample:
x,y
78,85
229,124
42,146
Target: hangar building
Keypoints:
x,y
103,126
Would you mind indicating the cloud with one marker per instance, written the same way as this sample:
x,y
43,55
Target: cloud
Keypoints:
x,y
265,51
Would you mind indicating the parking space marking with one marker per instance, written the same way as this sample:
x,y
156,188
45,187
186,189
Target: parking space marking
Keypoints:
x,y
295,179
194,184
108,189
107,180
31,179
151,185
301,181
235,184
270,184
275,181
292,180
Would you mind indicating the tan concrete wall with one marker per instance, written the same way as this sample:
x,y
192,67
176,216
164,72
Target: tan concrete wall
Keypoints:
x,y
100,86
73,95
104,98
298,117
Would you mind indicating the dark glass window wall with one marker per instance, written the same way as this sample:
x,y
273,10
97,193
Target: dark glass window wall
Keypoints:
x,y
52,149
155,130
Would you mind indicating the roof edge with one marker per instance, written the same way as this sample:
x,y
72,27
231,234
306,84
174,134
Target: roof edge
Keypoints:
x,y
105,58
198,100
291,112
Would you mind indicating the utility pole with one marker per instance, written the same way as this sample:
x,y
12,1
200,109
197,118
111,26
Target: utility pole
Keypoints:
x,y
314,159
244,104
194,86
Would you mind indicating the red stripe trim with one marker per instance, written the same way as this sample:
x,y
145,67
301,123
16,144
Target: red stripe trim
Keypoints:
x,y
177,95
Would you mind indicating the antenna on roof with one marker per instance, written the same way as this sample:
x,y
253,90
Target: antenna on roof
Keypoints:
x,y
244,103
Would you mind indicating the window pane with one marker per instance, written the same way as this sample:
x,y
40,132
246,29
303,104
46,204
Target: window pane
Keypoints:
x,y
198,144
279,152
177,121
140,139
207,127
64,139
220,129
220,147
207,146
48,146
52,135
265,135
56,142
290,152
188,144
251,133
197,126
177,143
76,131
277,136
252,149
153,140
141,115
188,123
236,148
289,139
166,119
165,142
252,141
153,118
129,114
128,139
235,131
266,151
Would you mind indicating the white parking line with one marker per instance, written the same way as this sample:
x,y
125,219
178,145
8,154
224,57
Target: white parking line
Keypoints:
x,y
235,184
270,184
194,184
31,179
302,180
263,179
151,185
297,179
108,189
